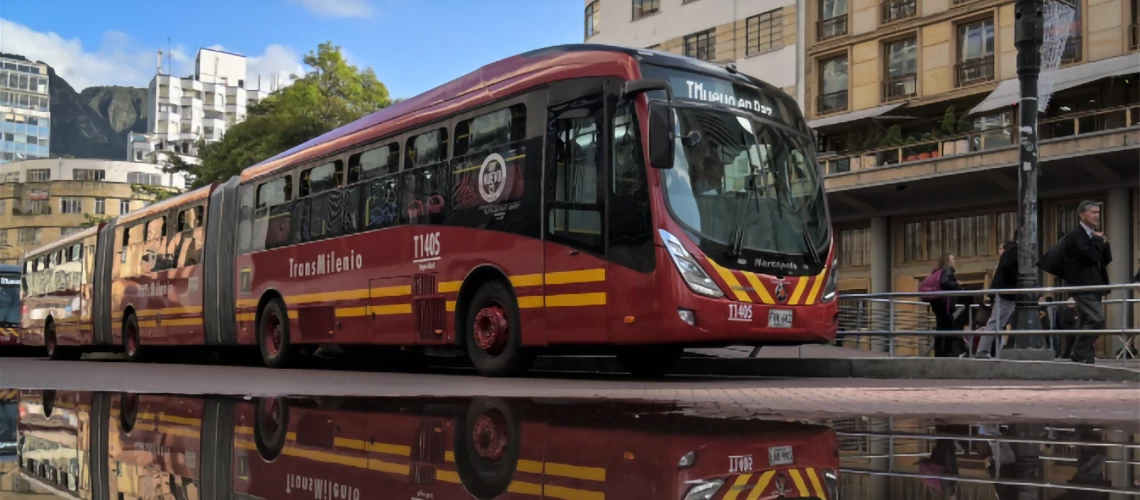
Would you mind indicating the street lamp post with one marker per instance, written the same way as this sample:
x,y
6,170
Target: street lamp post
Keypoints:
x,y
1028,36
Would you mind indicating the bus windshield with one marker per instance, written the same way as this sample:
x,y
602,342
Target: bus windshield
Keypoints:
x,y
746,183
9,301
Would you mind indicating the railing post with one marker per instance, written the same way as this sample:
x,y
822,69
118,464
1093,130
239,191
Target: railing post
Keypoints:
x,y
891,329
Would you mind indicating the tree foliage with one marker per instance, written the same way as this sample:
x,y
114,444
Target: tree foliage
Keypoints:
x,y
331,94
154,194
94,220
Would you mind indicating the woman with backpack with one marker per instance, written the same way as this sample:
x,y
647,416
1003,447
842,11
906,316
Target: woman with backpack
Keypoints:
x,y
942,278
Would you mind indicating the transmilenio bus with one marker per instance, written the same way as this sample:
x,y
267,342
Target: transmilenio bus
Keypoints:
x,y
574,199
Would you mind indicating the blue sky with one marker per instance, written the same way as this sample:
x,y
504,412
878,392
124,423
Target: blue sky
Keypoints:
x,y
412,45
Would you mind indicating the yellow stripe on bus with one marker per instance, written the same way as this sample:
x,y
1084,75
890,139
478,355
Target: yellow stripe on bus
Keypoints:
x,y
450,305
385,310
142,313
799,480
738,486
819,279
583,276
182,310
385,448
733,283
576,299
761,485
815,484
758,285
182,322
148,324
530,302
526,280
801,285
247,317
448,286
247,303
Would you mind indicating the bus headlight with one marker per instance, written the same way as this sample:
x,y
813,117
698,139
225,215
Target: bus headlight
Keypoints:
x,y
694,275
832,286
832,482
704,490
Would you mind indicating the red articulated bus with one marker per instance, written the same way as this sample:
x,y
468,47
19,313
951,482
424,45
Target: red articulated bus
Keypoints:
x,y
576,199
188,447
58,292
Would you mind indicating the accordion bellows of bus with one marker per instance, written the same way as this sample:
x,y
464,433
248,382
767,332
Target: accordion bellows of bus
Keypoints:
x,y
574,199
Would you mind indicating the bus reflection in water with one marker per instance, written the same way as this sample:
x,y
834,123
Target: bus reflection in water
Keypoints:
x,y
575,199
160,446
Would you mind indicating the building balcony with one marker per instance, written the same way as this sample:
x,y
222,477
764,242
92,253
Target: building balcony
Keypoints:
x,y
831,28
832,103
1074,125
899,88
894,10
1073,50
974,71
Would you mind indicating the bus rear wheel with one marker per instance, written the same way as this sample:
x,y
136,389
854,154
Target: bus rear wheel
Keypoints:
x,y
493,332
51,344
649,361
273,336
132,346
271,427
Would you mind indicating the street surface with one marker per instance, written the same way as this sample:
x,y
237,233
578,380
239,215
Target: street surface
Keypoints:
x,y
729,397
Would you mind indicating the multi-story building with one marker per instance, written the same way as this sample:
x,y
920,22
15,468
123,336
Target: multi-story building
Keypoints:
x,y
24,103
915,106
201,106
44,200
760,37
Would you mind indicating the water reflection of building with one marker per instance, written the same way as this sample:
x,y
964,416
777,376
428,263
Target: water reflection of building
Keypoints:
x,y
888,458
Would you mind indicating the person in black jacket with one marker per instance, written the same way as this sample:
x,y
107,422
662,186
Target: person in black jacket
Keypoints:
x,y
1087,255
943,307
1005,277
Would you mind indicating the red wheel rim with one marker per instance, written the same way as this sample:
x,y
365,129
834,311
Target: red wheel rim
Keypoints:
x,y
271,419
491,329
489,435
273,334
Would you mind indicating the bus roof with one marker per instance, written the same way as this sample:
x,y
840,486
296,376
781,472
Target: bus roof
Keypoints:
x,y
482,85
9,268
164,205
65,241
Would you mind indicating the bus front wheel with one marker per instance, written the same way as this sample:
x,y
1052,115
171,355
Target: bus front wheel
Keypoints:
x,y
51,344
132,346
494,334
649,361
273,335
271,427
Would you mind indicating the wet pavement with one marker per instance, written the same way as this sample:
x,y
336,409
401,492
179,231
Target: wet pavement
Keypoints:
x,y
119,445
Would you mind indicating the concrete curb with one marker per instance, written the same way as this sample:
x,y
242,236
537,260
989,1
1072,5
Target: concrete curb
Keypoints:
x,y
877,368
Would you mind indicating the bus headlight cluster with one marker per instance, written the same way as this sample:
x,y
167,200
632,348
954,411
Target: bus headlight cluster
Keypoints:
x,y
694,275
704,490
830,289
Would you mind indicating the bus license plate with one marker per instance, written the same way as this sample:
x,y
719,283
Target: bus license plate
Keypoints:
x,y
779,319
780,455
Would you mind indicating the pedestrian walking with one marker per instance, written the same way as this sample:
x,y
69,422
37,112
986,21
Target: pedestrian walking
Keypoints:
x,y
1084,255
1005,277
1067,319
942,278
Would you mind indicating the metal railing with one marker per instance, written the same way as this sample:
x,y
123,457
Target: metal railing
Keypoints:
x,y
1073,50
976,70
902,321
832,27
900,88
893,10
833,102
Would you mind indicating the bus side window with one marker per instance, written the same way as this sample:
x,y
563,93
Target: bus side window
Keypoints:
x,y
491,130
575,209
630,218
272,217
321,178
374,163
123,242
426,149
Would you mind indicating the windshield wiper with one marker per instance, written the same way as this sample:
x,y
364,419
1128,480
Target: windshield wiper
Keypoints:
x,y
810,244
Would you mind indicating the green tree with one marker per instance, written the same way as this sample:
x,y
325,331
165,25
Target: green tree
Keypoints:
x,y
94,220
153,193
331,94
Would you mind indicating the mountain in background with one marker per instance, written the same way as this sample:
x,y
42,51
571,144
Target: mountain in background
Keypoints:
x,y
94,123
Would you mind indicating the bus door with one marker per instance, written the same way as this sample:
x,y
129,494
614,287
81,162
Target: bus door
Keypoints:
x,y
574,247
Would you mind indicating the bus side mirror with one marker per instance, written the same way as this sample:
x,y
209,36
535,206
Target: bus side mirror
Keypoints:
x,y
661,143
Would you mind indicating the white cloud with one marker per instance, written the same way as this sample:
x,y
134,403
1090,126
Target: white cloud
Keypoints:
x,y
336,8
120,60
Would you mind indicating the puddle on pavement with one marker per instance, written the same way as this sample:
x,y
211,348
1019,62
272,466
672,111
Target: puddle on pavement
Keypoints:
x,y
104,446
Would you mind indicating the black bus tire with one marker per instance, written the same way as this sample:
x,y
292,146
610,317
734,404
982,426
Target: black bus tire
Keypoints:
x,y
487,448
55,352
132,339
271,427
273,335
497,352
128,411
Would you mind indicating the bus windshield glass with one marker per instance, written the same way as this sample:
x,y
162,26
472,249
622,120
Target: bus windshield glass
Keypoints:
x,y
746,183
9,301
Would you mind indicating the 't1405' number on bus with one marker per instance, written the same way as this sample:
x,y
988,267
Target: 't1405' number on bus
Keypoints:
x,y
426,247
740,312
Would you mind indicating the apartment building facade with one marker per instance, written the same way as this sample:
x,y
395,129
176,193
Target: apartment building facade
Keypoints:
x,y
24,104
761,37
44,200
915,107
201,106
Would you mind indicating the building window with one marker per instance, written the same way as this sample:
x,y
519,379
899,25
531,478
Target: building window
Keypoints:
x,y
642,8
833,85
142,178
70,206
893,10
100,206
764,32
39,175
3,237
124,206
1073,45
901,60
701,45
3,207
593,15
855,247
963,237
1134,27
832,19
37,207
88,174
975,53
30,235
1007,227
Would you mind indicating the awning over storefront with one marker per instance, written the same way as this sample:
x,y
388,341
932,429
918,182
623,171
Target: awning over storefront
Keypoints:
x,y
854,115
1008,92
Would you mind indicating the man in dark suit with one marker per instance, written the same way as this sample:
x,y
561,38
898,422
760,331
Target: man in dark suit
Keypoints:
x,y
1087,255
